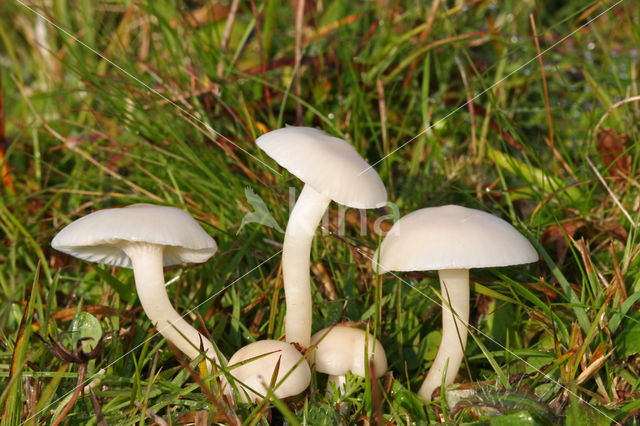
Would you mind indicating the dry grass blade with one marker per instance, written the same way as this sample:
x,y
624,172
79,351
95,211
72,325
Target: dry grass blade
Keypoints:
x,y
82,374
382,107
139,87
9,398
472,113
97,409
153,416
633,223
230,417
618,275
618,104
227,33
544,79
375,394
72,144
263,65
298,55
4,164
424,35
592,369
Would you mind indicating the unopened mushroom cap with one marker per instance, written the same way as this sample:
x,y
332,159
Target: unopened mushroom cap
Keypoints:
x,y
98,236
330,165
257,374
341,349
452,237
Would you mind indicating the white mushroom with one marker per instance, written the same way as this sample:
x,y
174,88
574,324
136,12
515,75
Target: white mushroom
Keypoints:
x,y
451,239
145,237
341,350
253,367
331,170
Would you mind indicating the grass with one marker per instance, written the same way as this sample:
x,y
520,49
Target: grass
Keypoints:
x,y
168,113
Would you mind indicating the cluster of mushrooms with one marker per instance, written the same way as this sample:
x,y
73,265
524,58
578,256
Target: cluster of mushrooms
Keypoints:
x,y
449,239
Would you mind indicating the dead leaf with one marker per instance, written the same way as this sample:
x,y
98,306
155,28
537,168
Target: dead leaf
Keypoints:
x,y
616,230
203,15
559,234
254,328
327,288
358,218
612,147
68,313
483,304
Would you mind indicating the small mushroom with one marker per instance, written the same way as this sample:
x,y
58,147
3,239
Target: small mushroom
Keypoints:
x,y
340,350
451,239
254,365
145,237
331,170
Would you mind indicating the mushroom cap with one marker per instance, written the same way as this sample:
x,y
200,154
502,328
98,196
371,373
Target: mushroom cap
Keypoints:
x,y
452,237
257,374
99,236
330,165
340,350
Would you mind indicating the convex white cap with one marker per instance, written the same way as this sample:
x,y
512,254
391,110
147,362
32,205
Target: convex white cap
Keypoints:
x,y
99,236
341,350
452,237
257,374
328,164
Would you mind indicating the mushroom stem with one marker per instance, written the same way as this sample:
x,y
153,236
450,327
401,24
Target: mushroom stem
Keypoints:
x,y
296,251
338,381
147,270
454,284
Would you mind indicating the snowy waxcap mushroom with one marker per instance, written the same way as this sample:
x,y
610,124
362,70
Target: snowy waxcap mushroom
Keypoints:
x,y
145,237
255,376
97,237
341,350
331,170
451,239
329,164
